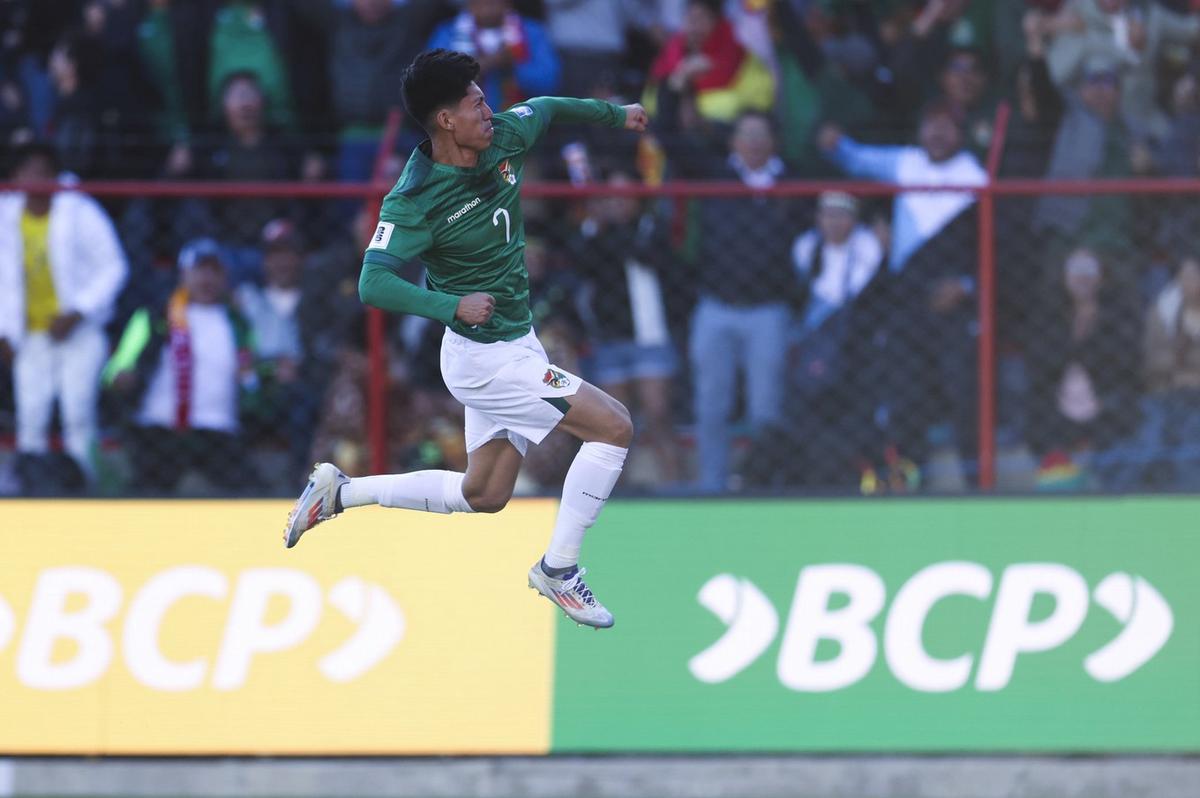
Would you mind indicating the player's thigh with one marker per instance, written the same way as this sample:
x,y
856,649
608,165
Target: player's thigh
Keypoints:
x,y
595,416
492,471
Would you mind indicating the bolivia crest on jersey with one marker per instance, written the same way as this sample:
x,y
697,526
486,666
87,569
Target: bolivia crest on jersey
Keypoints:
x,y
507,173
556,379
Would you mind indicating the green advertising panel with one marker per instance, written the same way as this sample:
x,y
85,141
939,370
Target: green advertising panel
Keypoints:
x,y
1035,625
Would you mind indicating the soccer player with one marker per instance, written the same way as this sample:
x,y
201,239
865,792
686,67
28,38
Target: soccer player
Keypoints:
x,y
457,207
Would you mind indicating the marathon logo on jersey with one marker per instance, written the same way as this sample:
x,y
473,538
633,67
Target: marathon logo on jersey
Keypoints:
x,y
556,379
383,236
463,211
507,173
522,111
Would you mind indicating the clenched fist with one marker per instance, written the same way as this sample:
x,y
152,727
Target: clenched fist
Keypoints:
x,y
474,309
635,117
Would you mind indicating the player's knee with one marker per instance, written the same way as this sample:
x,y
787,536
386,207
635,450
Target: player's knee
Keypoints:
x,y
620,427
488,502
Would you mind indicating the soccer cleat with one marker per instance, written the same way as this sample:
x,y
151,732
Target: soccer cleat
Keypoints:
x,y
572,596
317,503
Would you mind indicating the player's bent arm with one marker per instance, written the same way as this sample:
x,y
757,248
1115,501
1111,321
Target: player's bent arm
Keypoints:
x,y
379,286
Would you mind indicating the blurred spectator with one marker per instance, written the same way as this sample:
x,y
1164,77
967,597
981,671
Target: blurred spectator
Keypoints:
x,y
1092,142
242,43
745,281
1083,398
373,41
124,100
938,160
704,63
186,369
160,52
589,36
1180,153
28,31
835,260
248,150
1037,110
1132,38
61,268
830,65
964,88
553,291
820,437
1165,451
932,284
516,58
75,124
919,49
623,250
281,315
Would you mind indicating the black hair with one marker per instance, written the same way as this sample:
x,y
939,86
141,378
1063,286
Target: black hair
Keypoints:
x,y
434,80
243,74
37,148
941,107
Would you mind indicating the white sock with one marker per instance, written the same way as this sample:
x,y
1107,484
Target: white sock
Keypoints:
x,y
431,491
589,482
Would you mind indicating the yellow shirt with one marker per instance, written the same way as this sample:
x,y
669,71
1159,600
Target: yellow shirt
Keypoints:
x,y
41,301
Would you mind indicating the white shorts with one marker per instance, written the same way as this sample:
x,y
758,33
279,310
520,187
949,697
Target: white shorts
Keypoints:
x,y
510,388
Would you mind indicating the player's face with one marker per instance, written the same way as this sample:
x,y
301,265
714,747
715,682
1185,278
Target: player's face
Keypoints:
x,y
471,121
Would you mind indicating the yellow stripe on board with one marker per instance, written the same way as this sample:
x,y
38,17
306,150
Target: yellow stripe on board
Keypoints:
x,y
186,627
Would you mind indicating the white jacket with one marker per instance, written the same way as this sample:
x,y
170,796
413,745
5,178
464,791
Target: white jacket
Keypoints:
x,y
86,260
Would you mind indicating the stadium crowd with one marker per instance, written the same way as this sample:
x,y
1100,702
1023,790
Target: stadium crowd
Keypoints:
x,y
763,342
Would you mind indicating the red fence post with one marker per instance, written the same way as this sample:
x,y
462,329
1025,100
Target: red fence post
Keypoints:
x,y
987,307
377,382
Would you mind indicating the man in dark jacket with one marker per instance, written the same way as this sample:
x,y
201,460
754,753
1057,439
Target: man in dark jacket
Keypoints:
x,y
744,278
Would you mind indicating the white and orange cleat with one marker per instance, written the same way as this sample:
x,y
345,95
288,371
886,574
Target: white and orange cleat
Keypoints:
x,y
317,503
571,596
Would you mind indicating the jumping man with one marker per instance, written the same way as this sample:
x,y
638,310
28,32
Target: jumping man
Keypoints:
x,y
457,207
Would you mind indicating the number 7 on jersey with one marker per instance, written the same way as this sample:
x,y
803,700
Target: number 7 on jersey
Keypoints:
x,y
496,222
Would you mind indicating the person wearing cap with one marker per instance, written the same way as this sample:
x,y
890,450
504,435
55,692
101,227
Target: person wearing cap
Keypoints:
x,y
61,270
282,314
836,259
184,372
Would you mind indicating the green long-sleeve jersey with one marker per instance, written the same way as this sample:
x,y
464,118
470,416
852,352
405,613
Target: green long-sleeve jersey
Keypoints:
x,y
466,225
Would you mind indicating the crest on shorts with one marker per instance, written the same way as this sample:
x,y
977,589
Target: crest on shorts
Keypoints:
x,y
507,173
556,379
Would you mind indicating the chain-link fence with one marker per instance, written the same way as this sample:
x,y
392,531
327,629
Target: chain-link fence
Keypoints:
x,y
803,338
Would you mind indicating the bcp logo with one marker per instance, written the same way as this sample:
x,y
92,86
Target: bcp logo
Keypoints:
x,y
76,604
753,625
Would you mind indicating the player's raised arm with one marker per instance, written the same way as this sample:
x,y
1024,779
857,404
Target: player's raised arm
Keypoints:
x,y
530,119
401,236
